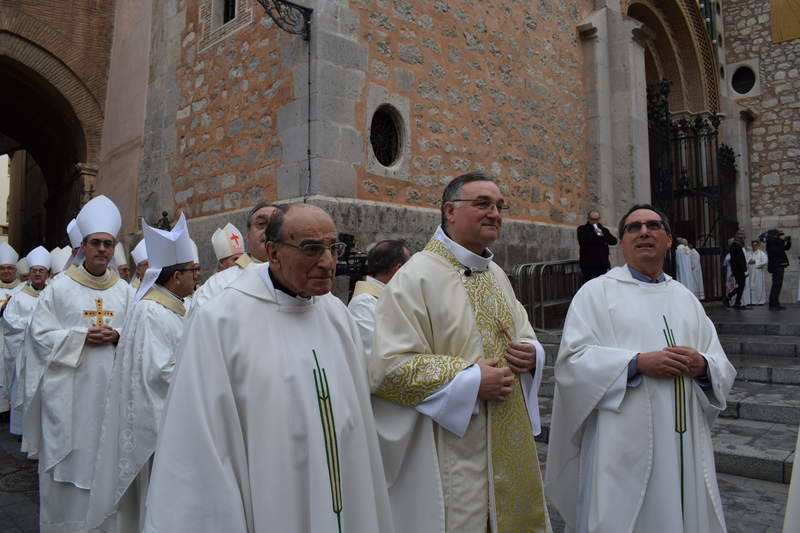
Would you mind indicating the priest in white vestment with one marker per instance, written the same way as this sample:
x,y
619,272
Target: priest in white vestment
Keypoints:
x,y
756,274
17,314
75,238
257,221
23,270
139,255
74,330
453,356
640,378
683,264
9,284
384,259
267,425
121,263
140,379
189,300
697,271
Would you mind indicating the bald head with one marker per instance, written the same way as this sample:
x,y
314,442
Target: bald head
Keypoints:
x,y
300,238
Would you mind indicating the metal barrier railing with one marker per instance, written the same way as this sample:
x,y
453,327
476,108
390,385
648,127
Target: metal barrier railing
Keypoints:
x,y
546,290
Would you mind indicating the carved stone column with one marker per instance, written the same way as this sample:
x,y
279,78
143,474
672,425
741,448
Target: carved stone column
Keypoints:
x,y
86,174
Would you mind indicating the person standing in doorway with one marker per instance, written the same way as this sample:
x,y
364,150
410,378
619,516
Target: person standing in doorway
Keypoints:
x,y
777,244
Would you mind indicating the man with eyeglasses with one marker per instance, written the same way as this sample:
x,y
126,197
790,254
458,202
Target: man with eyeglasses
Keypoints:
x,y
17,314
9,285
257,220
452,359
593,242
640,378
142,372
268,425
74,331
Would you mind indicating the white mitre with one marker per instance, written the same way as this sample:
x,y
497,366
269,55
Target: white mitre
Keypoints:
x,y
195,252
74,233
23,267
139,252
164,249
99,215
8,255
57,263
227,241
39,256
120,257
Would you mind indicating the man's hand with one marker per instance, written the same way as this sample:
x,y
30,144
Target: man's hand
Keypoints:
x,y
99,335
496,382
696,362
521,357
662,364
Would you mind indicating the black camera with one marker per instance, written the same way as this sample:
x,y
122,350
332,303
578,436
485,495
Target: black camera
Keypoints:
x,y
352,262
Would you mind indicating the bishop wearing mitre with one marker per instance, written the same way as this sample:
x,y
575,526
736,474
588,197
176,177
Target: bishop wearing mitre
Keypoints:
x,y
74,331
141,376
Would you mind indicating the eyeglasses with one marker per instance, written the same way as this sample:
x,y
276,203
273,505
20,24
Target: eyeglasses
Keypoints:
x,y
636,227
192,269
316,249
484,204
38,270
95,243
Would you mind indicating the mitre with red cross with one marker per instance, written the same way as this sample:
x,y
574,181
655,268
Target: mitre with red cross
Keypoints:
x,y
227,241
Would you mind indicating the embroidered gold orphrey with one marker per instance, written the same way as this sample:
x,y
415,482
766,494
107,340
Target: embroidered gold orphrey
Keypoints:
x,y
517,491
98,312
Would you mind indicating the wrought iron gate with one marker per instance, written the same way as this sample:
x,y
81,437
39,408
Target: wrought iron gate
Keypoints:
x,y
693,180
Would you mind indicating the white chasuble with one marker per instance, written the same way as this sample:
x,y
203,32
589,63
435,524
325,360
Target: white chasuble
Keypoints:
x,y
614,462
7,290
697,271
756,290
434,320
267,425
16,317
134,403
63,419
216,283
683,266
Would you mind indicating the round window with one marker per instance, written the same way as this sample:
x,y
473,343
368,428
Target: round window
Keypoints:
x,y
386,134
744,79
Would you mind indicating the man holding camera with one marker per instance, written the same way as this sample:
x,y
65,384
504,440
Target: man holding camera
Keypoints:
x,y
593,241
777,244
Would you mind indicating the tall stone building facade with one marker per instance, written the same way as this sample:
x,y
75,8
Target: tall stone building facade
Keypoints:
x,y
368,107
764,68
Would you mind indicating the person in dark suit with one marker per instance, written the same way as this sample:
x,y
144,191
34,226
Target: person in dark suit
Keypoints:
x,y
593,241
777,244
738,267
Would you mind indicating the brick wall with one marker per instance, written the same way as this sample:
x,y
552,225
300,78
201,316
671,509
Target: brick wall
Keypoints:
x,y
491,86
231,83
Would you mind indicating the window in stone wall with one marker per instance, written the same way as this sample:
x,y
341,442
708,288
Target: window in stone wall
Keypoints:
x,y
386,135
744,79
220,19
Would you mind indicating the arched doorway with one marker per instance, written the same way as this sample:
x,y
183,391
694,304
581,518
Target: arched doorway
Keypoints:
x,y
48,141
690,172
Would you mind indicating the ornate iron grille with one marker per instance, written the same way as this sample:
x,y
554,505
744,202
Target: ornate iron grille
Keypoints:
x,y
693,180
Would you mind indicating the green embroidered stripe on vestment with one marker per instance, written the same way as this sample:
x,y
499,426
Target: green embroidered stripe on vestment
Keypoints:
x,y
331,440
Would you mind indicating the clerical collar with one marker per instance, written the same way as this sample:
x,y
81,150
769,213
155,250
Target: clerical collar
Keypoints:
x,y
646,279
9,285
97,278
167,291
281,287
377,282
467,258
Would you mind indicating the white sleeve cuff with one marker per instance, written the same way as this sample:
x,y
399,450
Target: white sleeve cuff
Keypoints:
x,y
453,405
530,386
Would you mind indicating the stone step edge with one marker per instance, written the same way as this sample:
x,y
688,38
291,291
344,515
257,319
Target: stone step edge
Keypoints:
x,y
752,467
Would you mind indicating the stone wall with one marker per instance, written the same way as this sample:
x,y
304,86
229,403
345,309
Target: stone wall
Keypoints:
x,y
775,130
487,86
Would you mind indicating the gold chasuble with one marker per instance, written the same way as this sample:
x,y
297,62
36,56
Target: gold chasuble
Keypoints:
x,y
516,501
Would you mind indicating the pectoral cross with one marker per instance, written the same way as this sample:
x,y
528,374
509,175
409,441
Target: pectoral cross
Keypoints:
x,y
98,313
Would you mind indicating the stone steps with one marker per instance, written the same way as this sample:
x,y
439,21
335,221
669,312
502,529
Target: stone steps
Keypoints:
x,y
765,369
748,448
761,329
764,402
762,345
